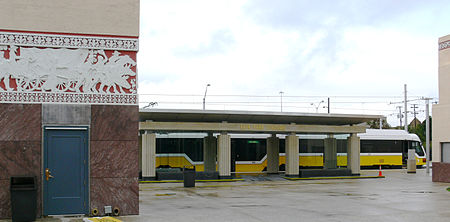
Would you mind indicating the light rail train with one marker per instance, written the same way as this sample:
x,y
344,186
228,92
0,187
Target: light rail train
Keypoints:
x,y
386,148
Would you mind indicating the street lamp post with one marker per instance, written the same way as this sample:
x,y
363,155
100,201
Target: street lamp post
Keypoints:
x,y
204,97
317,107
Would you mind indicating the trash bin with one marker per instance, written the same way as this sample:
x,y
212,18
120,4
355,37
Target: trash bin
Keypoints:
x,y
189,176
23,198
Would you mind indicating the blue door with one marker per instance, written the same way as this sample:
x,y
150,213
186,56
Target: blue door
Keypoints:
x,y
65,171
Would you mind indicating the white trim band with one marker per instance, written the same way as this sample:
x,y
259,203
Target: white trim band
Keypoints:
x,y
74,98
68,41
65,128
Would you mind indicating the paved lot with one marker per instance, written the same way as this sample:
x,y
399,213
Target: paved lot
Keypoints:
x,y
398,197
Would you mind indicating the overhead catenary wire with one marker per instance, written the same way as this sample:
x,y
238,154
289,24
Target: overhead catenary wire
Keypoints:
x,y
268,102
365,104
270,96
274,106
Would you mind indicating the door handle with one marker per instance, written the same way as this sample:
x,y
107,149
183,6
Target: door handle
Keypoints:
x,y
48,174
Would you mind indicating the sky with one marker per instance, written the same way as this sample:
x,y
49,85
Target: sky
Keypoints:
x,y
290,55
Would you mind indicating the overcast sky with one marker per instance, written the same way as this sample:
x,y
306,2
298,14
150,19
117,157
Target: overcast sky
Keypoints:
x,y
359,53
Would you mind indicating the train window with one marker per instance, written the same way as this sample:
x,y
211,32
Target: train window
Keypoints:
x,y
341,146
248,149
192,147
282,144
416,145
170,145
381,146
367,146
311,146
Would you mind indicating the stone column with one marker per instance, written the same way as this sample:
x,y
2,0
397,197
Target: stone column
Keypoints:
x,y
224,155
273,154
292,167
209,153
330,153
148,156
353,153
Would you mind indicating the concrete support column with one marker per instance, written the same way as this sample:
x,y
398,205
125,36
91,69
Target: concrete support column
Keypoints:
x,y
273,154
209,153
292,167
330,153
224,155
148,156
353,154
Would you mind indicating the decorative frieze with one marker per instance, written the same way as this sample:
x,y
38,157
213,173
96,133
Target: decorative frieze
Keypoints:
x,y
444,45
43,97
68,41
63,75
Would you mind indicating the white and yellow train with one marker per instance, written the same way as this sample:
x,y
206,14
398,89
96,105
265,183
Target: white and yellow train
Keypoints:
x,y
387,148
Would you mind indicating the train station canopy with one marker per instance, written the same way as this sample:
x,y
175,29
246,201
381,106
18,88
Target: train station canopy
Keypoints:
x,y
250,121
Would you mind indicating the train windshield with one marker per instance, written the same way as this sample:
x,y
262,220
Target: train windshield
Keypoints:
x,y
416,145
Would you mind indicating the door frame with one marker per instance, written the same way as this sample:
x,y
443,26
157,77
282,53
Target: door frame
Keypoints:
x,y
86,128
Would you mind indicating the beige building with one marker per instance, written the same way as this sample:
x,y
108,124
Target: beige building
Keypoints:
x,y
441,116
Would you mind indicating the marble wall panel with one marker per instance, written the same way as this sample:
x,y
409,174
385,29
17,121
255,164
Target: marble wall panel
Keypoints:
x,y
441,172
20,158
5,199
20,122
114,122
114,159
115,192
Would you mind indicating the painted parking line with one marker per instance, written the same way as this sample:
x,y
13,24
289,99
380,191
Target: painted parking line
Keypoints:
x,y
181,181
101,219
333,178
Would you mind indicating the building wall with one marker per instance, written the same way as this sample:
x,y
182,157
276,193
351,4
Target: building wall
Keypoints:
x,y
20,148
441,172
114,158
113,149
441,112
101,29
107,17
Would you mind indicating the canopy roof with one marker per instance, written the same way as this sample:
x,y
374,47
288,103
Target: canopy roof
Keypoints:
x,y
211,116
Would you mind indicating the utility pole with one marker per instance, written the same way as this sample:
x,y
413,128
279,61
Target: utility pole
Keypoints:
x,y
400,115
427,132
328,104
406,110
281,102
427,128
414,106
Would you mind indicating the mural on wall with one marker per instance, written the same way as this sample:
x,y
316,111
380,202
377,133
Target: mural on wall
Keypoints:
x,y
67,75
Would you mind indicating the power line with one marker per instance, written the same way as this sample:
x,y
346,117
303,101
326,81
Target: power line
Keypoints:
x,y
274,102
414,107
268,105
273,96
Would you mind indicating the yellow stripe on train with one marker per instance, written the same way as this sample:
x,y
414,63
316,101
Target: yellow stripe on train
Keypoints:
x,y
181,160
